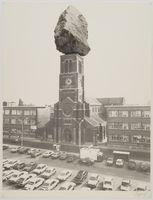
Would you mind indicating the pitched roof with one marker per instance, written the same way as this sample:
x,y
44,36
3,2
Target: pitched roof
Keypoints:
x,y
95,120
92,101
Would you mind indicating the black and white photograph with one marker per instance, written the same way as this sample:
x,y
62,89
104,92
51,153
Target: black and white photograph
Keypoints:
x,y
76,97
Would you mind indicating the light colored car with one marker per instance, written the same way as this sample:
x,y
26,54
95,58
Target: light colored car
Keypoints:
x,y
24,179
7,174
64,175
119,162
85,188
68,186
50,184
125,185
34,183
14,178
47,154
5,161
48,172
15,149
108,183
10,164
40,169
93,180
141,187
30,151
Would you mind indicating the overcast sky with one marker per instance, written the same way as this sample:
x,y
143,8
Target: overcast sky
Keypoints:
x,y
119,63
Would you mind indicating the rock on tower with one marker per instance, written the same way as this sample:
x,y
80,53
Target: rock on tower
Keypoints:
x,y
69,112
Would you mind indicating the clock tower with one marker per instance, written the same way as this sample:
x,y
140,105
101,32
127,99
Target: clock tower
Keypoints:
x,y
71,109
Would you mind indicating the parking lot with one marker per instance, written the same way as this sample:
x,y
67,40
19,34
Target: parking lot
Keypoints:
x,y
100,168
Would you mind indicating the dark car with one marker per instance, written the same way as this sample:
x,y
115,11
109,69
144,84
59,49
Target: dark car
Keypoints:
x,y
23,150
131,165
63,156
109,161
55,155
5,147
35,153
86,161
70,158
30,166
80,177
144,167
18,166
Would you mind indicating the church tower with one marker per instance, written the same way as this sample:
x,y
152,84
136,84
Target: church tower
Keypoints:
x,y
71,109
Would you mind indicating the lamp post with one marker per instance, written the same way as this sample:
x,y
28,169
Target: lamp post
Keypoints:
x,y
80,131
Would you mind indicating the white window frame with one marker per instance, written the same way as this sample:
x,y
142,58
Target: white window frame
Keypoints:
x,y
13,120
7,112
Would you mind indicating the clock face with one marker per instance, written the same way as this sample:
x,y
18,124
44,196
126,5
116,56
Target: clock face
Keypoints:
x,y
67,109
68,81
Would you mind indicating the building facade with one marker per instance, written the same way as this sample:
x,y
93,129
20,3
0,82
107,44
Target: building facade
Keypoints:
x,y
128,125
18,119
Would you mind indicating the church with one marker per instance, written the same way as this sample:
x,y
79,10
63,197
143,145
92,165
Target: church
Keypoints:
x,y
73,121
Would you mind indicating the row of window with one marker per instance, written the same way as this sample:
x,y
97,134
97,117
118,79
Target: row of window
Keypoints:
x,y
137,139
18,121
95,109
19,112
121,113
69,67
126,126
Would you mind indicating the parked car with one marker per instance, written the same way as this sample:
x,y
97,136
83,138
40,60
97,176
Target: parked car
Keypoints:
x,y
70,158
10,164
68,186
7,174
19,165
50,184
30,151
23,150
47,154
131,165
39,169
109,161
14,178
80,177
93,180
107,183
24,179
48,172
5,146
5,161
55,155
34,183
85,188
141,187
119,162
35,153
63,156
144,167
64,175
30,166
15,149
125,185
86,161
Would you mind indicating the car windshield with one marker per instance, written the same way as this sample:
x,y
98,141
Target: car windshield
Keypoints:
x,y
48,170
110,159
14,175
108,182
62,188
46,184
125,184
31,183
53,182
12,162
21,179
93,178
39,167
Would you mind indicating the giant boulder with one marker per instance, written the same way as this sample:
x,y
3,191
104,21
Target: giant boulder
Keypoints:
x,y
71,33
